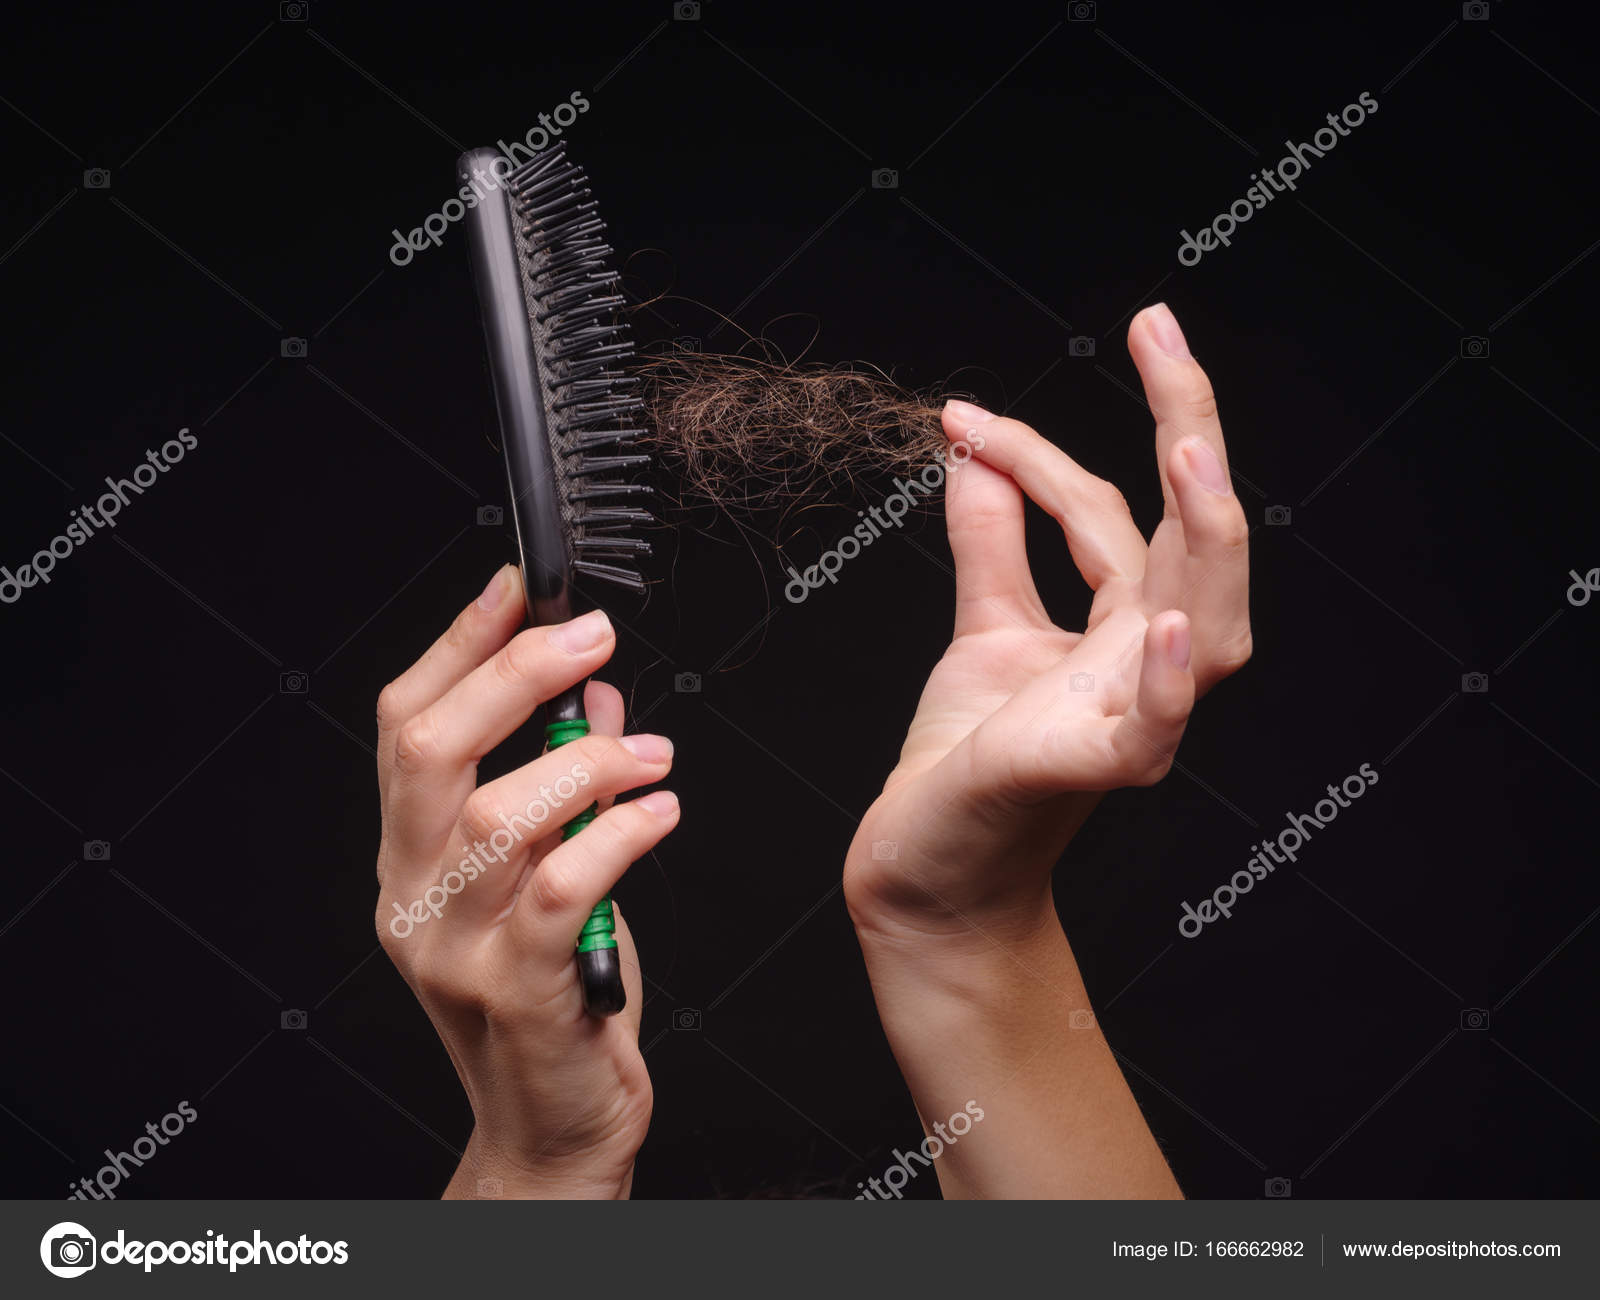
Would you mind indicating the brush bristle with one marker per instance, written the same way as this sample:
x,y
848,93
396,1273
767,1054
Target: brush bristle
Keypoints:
x,y
593,409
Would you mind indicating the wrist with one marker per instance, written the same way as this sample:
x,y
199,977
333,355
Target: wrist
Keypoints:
x,y
979,879
973,963
899,919
491,1172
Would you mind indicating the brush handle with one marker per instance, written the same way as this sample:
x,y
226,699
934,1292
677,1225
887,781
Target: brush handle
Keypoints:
x,y
599,966
542,502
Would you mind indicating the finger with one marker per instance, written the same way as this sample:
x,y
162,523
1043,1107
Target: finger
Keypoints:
x,y
983,515
1070,729
1145,741
1208,576
478,631
1177,389
575,876
437,751
1104,541
1054,734
632,973
602,705
604,709
503,821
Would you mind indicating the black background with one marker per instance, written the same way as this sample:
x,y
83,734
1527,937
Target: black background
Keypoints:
x,y
326,525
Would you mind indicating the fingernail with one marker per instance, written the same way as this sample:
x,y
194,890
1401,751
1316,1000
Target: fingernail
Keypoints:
x,y
1205,466
663,803
495,592
648,748
1178,646
582,633
1164,325
968,412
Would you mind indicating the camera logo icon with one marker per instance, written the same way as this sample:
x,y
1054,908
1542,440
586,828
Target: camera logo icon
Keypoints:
x,y
885,178
68,1250
1475,1019
491,516
1082,1018
686,1018
1082,11
1475,11
1081,682
293,11
97,850
1475,347
686,343
292,347
1080,345
686,683
293,683
97,178
885,850
1278,516
1278,1189
1475,683
491,1187
292,1019
686,11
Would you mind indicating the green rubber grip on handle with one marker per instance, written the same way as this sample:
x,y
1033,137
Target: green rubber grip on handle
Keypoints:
x,y
599,966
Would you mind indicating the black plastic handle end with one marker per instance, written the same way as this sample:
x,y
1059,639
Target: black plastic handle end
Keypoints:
x,y
601,974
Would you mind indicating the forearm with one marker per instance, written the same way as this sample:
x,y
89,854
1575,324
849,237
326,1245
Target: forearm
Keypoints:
x,y
1007,1027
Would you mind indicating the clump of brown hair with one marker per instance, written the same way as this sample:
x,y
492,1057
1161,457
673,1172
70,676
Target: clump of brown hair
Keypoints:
x,y
752,435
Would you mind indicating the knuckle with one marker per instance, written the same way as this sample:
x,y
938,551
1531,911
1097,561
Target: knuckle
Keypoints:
x,y
1200,401
401,945
638,828
1012,425
518,663
391,706
458,636
603,759
1234,652
478,813
594,753
1031,770
444,984
555,883
1233,529
1131,758
1132,763
607,836
1153,770
387,939
416,745
1107,496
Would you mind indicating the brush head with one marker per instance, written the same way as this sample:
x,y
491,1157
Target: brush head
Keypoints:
x,y
570,414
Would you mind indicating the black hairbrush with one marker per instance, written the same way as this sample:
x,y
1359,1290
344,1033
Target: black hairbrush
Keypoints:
x,y
568,418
